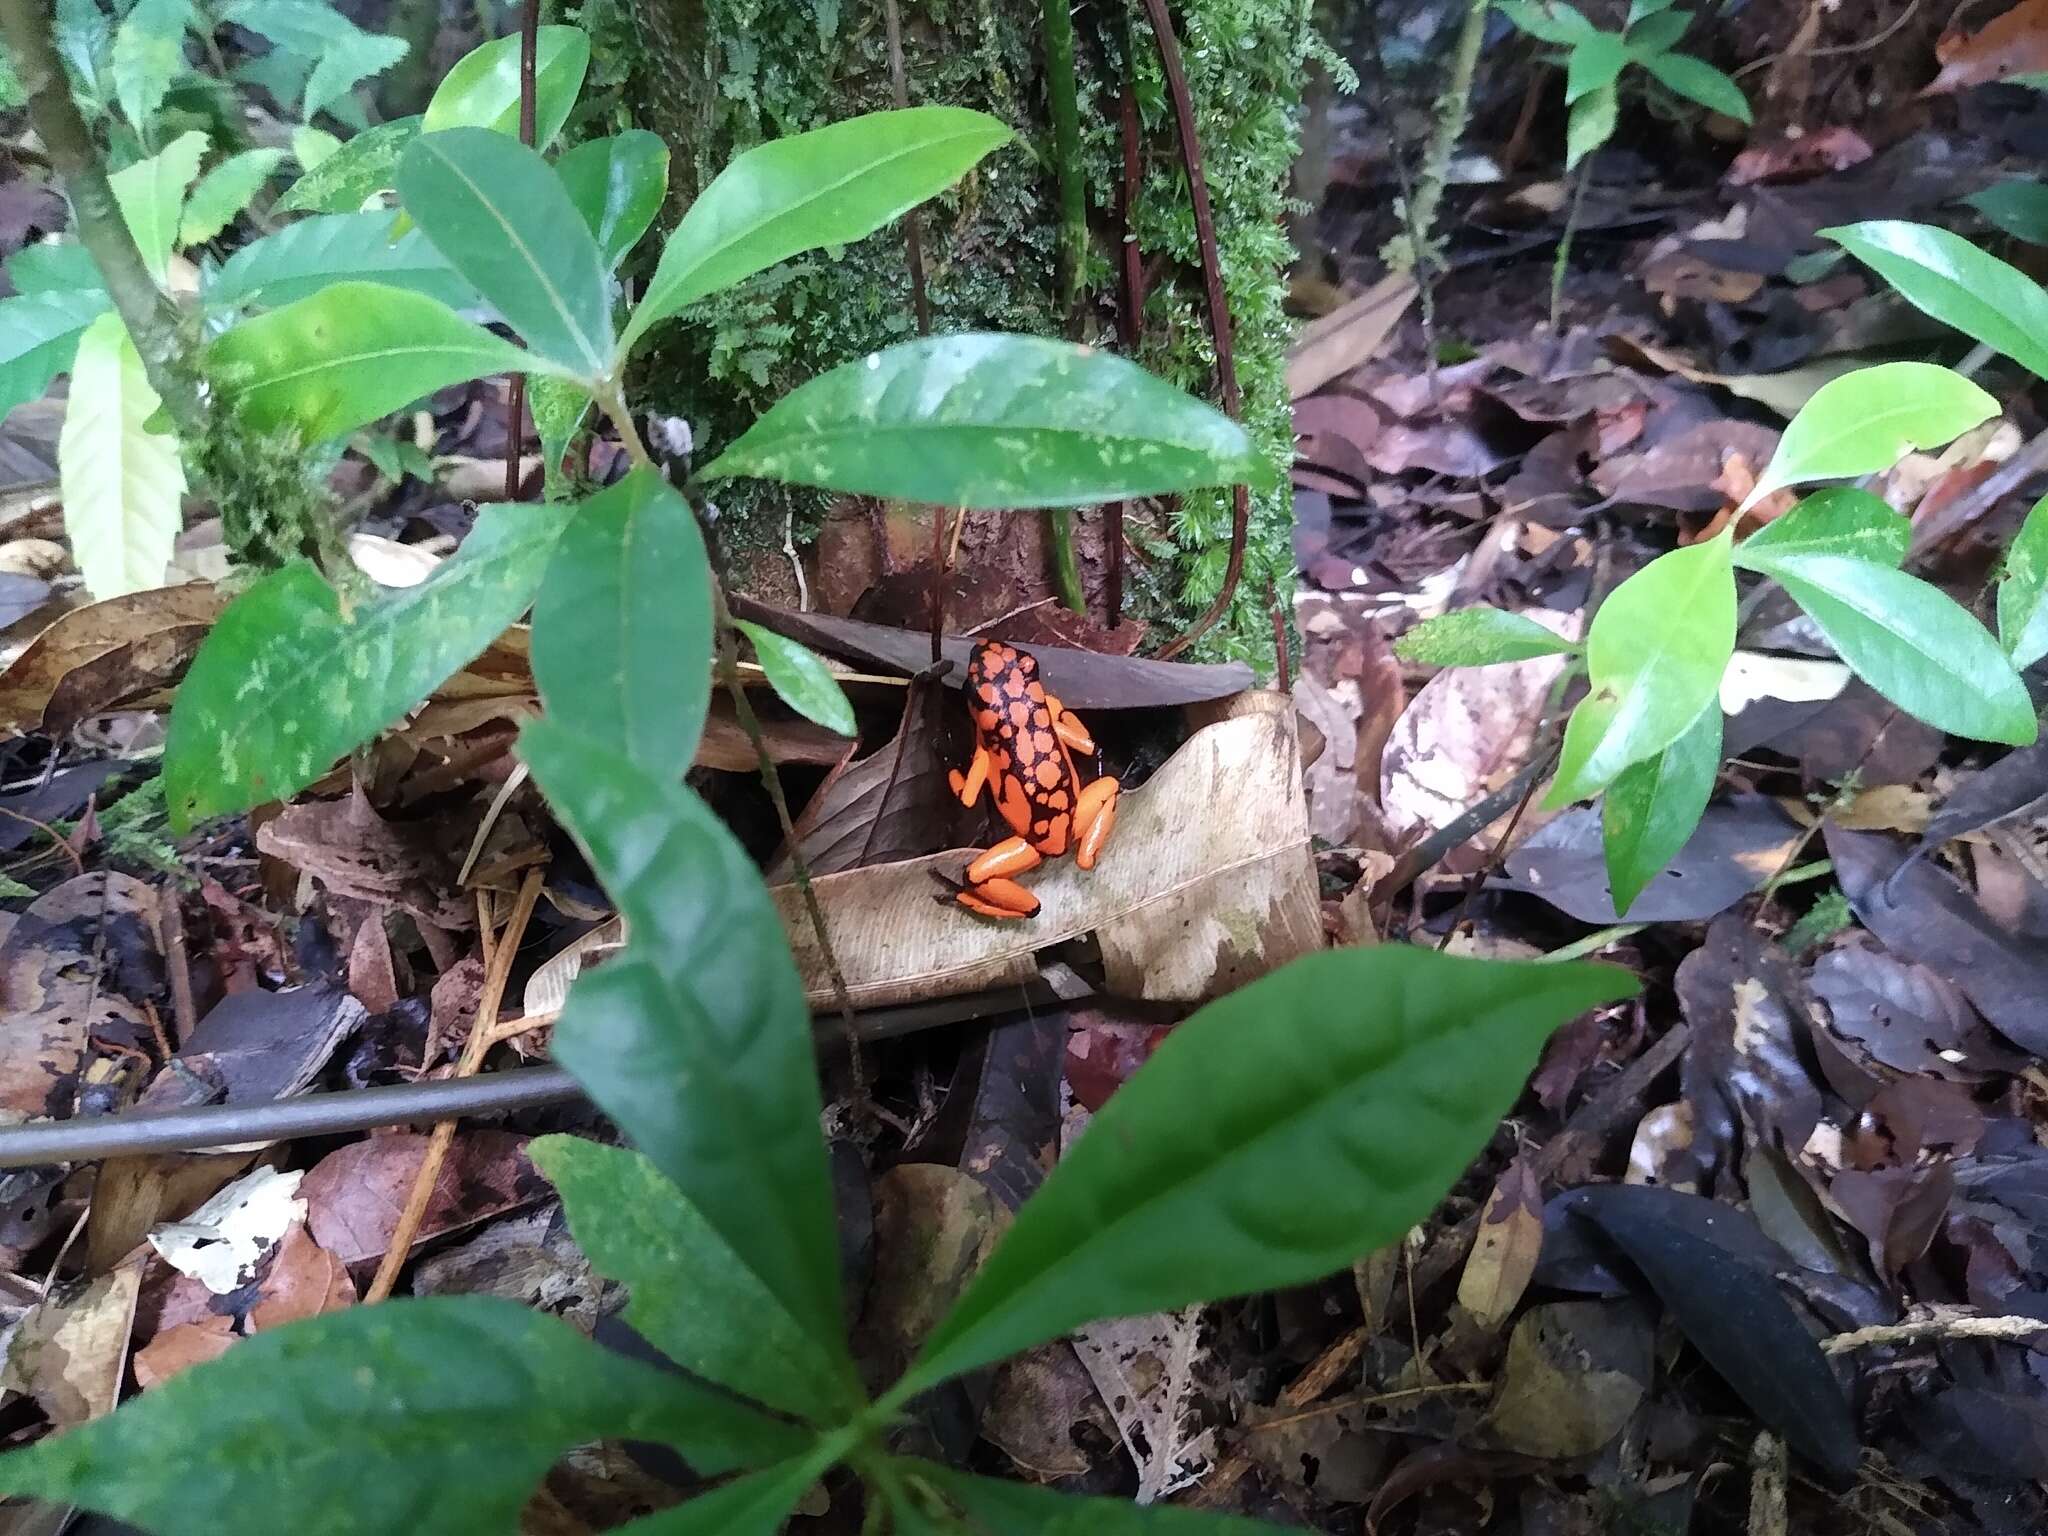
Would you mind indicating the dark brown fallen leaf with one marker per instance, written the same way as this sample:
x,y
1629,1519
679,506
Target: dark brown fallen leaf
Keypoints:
x,y
181,1347
1899,1211
1904,1017
354,852
1678,471
143,666
354,1196
66,793
85,633
1740,843
302,1280
261,1045
1811,154
2015,782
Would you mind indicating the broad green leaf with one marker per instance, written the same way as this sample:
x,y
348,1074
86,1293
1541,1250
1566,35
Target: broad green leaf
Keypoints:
x,y
288,680
482,90
1282,1132
1654,659
149,52
123,484
622,625
1650,811
830,186
692,1297
373,1419
2018,207
1651,35
152,197
697,1040
344,64
617,184
1590,124
1479,637
1697,80
1947,277
38,337
349,354
51,266
1912,643
500,215
1548,21
313,147
801,679
347,179
995,421
224,192
1866,421
313,254
2022,589
559,408
1594,65
1642,10
83,38
1007,1507
758,1504
1838,520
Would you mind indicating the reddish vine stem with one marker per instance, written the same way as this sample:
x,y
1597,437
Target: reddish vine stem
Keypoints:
x,y
515,397
1130,318
1217,303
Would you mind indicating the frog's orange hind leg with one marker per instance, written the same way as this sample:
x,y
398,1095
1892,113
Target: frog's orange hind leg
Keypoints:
x,y
968,786
998,898
1068,727
1012,856
1094,819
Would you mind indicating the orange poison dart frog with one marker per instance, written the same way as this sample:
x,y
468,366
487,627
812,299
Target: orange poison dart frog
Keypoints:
x,y
1024,741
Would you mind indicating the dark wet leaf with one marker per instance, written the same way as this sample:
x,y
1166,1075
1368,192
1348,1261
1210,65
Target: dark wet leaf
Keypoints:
x,y
1576,1257
1739,843
1899,1210
2005,788
1905,1017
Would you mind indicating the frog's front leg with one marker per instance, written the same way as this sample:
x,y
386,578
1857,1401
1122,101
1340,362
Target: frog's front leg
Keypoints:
x,y
1094,818
968,785
1068,727
990,888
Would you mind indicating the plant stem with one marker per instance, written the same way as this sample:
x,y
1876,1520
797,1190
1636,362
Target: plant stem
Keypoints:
x,y
1066,569
1452,108
1063,106
515,396
1559,266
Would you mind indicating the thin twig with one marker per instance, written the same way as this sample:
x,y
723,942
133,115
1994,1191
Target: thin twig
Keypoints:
x,y
1944,1326
1130,314
1833,50
515,397
63,845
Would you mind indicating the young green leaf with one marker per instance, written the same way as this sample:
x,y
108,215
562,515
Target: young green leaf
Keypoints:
x,y
123,484
1866,421
622,625
1947,277
1650,810
799,675
366,165
1642,10
292,1419
994,421
1007,1507
1595,64
1590,124
500,215
224,192
2018,207
617,184
1654,659
39,336
152,196
345,63
831,186
758,1504
482,90
1384,1070
308,256
1548,21
288,681
149,52
697,1040
1838,520
313,147
1650,35
693,1297
1479,637
559,408
1697,80
2022,590
349,354
53,266
1912,643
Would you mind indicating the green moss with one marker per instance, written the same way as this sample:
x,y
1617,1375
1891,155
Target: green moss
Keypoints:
x,y
270,492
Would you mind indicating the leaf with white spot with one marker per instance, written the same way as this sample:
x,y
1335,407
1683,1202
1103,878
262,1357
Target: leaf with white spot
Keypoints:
x,y
122,483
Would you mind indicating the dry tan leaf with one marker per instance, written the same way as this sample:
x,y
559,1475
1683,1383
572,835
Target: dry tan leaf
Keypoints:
x,y
1504,1252
181,1347
69,1354
85,633
548,987
1349,336
2013,44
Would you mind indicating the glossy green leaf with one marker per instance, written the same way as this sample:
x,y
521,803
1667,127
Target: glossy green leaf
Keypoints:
x,y
801,679
1651,809
39,336
2022,589
1655,34
149,53
224,192
123,484
617,184
1479,637
482,90
559,409
371,1419
1595,64
366,165
1839,520
2018,207
53,266
1912,643
1590,124
1548,21
500,215
1654,659
831,186
349,354
1947,277
1866,421
1007,1507
288,680
995,421
1697,80
152,197
697,1040
1285,1130
313,254
692,1297
622,625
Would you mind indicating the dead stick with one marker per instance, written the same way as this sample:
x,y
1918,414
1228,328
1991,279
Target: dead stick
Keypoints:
x,y
515,397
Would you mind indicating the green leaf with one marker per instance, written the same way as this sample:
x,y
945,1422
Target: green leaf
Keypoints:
x,y
1641,10
1282,1132
1656,34
288,680
622,625
1654,659
617,184
801,678
123,484
349,354
1839,520
755,1505
1945,276
366,165
697,1041
1479,637
224,192
2022,589
38,336
1548,21
1594,65
1912,643
83,38
51,266
152,195
830,186
559,408
2018,207
370,1419
692,1297
1590,124
1697,80
482,90
1005,1507
149,52
313,147
500,215
1650,810
995,421
344,64
313,254
1866,421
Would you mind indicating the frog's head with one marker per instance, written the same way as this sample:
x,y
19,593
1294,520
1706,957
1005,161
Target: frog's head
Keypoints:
x,y
1001,667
